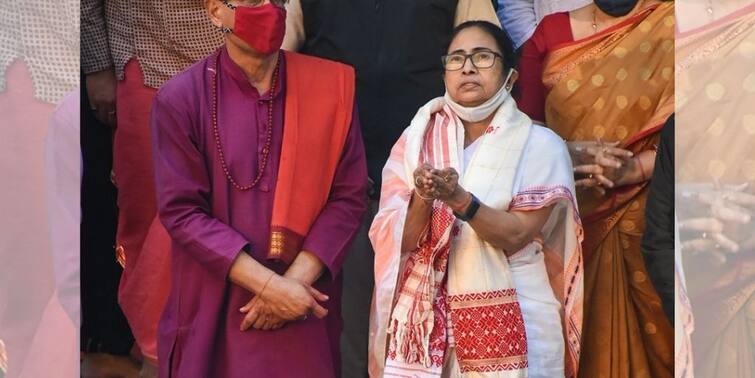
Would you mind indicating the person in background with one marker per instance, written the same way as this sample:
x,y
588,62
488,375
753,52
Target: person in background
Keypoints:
x,y
658,239
3,360
128,50
39,68
715,184
602,78
395,49
261,184
520,17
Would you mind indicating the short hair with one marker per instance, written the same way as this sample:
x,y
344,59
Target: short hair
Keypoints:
x,y
510,57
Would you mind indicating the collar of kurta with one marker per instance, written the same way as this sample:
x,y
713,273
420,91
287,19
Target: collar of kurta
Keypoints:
x,y
230,68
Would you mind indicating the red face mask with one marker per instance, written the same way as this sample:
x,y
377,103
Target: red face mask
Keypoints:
x,y
261,27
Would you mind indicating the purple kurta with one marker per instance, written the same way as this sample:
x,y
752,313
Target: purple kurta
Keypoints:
x,y
210,222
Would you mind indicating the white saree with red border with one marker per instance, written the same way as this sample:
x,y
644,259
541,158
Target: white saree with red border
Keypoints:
x,y
451,307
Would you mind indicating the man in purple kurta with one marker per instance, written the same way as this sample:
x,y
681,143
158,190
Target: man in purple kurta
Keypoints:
x,y
221,234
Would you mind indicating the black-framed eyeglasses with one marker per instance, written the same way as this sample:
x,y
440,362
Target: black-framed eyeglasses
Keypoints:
x,y
480,59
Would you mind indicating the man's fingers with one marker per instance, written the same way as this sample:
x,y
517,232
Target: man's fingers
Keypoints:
x,y
319,311
260,322
319,296
248,305
273,323
702,224
249,319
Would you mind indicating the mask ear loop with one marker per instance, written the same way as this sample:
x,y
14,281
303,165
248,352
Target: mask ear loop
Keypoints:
x,y
225,29
506,83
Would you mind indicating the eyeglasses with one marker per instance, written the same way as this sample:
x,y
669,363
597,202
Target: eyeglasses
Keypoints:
x,y
480,59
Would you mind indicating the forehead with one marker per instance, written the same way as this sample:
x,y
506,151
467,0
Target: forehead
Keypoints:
x,y
471,39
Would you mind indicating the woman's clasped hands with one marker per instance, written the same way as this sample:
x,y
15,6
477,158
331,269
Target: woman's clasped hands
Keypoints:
x,y
599,165
439,184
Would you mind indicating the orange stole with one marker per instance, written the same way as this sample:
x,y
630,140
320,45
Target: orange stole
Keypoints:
x,y
318,111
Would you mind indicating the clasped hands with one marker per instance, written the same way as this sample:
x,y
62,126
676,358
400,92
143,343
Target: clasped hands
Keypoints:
x,y
716,219
601,165
283,299
440,184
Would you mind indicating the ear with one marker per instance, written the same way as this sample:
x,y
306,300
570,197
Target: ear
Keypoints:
x,y
514,77
218,13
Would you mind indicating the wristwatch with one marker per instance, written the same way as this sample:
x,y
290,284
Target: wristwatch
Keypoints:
x,y
471,210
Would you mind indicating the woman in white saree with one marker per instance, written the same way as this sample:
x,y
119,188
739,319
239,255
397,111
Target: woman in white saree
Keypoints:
x,y
478,268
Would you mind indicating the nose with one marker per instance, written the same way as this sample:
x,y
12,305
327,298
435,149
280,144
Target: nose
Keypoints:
x,y
469,68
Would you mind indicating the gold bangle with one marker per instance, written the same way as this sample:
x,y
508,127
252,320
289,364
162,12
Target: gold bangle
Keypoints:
x,y
426,199
642,169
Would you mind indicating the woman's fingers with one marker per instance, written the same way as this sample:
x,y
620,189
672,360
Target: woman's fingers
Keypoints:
x,y
588,169
731,212
707,224
604,181
591,183
748,244
707,246
697,245
725,243
611,150
741,198
712,243
609,161
718,257
725,207
732,196
586,182
595,177
596,181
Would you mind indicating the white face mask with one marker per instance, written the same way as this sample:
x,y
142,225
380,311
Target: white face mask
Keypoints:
x,y
484,110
